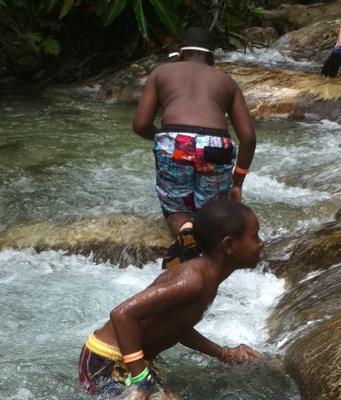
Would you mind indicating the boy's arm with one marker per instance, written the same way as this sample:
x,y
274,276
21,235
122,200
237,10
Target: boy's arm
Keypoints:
x,y
196,341
147,109
240,118
152,301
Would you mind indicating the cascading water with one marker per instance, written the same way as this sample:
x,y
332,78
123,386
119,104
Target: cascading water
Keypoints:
x,y
64,161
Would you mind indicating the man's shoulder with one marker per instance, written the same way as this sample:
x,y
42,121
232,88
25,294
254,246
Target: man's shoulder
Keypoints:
x,y
166,66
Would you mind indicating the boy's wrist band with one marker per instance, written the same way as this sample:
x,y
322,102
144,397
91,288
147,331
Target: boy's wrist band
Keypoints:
x,y
240,171
133,357
137,378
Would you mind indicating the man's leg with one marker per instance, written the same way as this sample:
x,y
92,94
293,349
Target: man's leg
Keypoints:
x,y
332,64
184,246
178,221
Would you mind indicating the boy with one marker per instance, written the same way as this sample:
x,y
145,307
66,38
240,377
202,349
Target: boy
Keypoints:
x,y
166,312
194,153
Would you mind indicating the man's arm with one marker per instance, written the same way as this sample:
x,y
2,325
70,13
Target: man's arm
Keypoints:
x,y
241,120
147,109
196,341
157,298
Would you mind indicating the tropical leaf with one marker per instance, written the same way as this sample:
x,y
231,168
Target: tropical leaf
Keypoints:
x,y
67,5
259,11
3,3
141,19
34,39
51,46
51,5
166,15
113,9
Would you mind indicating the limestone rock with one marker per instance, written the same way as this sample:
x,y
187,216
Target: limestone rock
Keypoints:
x,y
121,239
315,361
312,252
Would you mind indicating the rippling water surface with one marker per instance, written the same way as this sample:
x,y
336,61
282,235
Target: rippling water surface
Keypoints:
x,y
63,161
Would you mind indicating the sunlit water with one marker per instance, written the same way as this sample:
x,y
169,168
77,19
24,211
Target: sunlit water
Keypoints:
x,y
50,303
63,161
268,57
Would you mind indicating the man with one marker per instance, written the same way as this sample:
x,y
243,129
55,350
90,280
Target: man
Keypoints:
x,y
193,151
332,64
166,312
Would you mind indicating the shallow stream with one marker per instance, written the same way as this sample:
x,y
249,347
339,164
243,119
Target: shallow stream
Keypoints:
x,y
63,161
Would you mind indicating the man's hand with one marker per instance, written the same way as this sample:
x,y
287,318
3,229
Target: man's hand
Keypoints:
x,y
235,194
239,355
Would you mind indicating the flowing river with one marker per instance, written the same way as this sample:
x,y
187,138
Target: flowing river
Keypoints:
x,y
60,162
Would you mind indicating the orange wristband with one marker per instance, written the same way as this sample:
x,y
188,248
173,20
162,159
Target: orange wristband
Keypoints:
x,y
240,171
133,357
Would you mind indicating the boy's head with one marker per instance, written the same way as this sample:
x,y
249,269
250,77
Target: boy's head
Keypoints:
x,y
198,41
229,227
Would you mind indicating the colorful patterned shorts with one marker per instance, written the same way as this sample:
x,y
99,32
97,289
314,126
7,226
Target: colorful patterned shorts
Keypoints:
x,y
193,165
102,371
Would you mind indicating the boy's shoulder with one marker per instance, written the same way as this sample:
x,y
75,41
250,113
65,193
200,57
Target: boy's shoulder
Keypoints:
x,y
193,270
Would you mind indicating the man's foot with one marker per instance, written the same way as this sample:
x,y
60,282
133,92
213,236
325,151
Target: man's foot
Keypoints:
x,y
182,249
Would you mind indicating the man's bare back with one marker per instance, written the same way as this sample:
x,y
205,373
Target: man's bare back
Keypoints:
x,y
192,93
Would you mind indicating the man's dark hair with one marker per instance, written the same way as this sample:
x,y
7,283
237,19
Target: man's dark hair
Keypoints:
x,y
217,219
198,37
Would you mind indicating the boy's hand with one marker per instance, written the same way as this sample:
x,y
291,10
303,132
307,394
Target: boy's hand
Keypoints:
x,y
140,394
144,394
240,354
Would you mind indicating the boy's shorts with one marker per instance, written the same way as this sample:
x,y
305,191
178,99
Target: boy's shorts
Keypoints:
x,y
193,165
101,368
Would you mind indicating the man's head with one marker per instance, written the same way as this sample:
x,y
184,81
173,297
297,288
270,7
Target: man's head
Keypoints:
x,y
231,228
198,41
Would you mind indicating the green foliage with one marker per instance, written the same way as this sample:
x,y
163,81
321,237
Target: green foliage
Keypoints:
x,y
67,5
166,15
27,34
141,19
109,10
34,31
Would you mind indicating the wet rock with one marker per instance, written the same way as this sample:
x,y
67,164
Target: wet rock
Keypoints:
x,y
306,323
314,360
261,35
290,17
287,94
269,93
312,42
314,251
120,239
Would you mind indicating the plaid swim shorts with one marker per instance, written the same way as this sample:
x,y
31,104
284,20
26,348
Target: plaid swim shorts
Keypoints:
x,y
193,165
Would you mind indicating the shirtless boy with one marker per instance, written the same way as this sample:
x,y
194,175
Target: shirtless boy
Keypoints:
x,y
166,312
193,150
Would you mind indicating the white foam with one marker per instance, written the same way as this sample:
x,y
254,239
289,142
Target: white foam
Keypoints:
x,y
263,56
268,189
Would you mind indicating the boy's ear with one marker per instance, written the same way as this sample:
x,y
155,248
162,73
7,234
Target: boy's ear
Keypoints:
x,y
227,245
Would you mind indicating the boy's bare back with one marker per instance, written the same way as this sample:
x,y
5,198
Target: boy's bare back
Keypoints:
x,y
189,288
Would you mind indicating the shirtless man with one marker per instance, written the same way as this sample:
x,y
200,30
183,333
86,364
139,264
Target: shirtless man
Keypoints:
x,y
193,151
166,312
